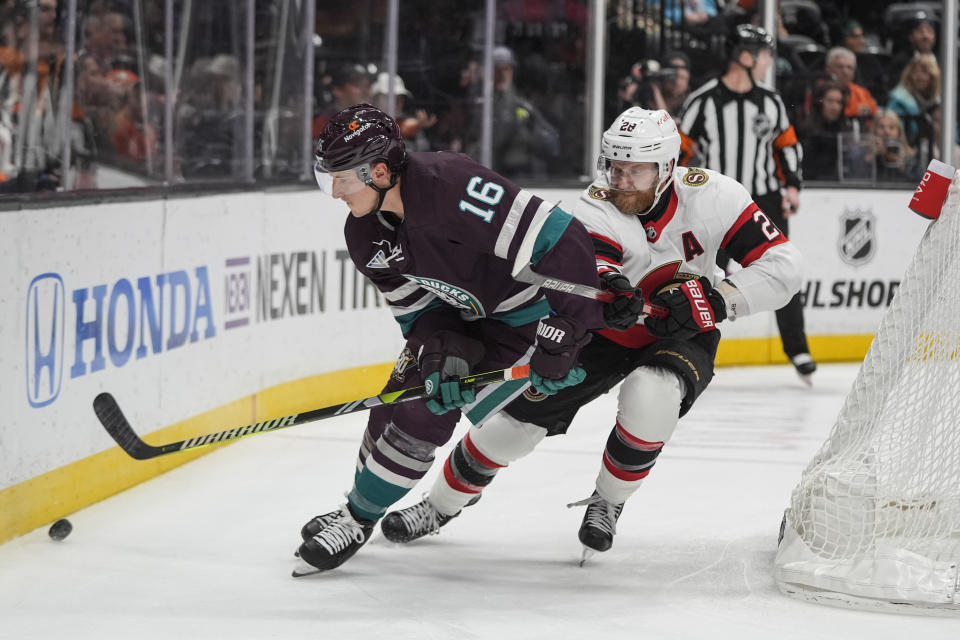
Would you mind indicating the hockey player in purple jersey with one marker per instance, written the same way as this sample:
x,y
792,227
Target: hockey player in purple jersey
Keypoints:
x,y
657,227
441,237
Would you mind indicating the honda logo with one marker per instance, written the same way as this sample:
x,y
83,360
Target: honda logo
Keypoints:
x,y
45,322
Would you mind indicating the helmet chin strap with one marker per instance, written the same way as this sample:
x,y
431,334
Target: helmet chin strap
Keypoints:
x,y
382,191
749,70
661,189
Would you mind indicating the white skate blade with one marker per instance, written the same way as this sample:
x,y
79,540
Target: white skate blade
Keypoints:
x,y
303,569
807,378
587,554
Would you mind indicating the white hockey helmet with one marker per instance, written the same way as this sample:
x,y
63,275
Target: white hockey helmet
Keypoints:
x,y
641,135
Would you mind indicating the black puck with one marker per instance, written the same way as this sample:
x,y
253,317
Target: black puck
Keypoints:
x,y
60,529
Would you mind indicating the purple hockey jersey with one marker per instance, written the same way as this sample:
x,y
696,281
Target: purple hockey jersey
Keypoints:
x,y
465,230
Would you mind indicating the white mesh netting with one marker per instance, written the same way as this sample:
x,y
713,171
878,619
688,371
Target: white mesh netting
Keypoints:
x,y
875,520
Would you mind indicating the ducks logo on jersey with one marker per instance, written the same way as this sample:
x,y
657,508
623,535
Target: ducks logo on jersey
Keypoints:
x,y
404,362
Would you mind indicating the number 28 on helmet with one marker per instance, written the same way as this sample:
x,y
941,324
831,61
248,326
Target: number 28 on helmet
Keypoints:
x,y
639,136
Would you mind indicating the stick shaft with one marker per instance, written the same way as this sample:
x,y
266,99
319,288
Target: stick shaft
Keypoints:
x,y
584,291
116,424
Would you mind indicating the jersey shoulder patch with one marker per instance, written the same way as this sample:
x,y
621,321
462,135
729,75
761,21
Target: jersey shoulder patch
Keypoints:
x,y
695,178
598,193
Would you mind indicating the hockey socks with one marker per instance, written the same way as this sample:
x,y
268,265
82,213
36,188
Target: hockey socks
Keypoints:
x,y
478,457
465,474
647,415
396,462
626,462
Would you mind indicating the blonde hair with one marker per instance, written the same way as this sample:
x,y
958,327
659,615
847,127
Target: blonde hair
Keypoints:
x,y
929,63
908,151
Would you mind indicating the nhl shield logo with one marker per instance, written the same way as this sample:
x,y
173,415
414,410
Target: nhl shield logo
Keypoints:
x,y
762,126
858,238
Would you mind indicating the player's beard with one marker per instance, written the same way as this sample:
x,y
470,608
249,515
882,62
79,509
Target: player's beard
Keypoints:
x,y
632,202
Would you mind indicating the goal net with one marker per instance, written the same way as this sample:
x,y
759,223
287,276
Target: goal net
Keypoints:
x,y
875,520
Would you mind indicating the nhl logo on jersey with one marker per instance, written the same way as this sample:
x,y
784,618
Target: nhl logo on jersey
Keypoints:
x,y
858,241
762,126
652,233
695,178
597,193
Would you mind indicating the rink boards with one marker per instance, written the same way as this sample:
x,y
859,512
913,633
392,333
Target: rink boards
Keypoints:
x,y
203,313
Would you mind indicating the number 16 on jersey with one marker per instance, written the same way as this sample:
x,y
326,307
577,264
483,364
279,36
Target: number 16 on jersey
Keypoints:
x,y
487,193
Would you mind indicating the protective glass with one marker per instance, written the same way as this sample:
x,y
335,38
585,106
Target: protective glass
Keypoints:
x,y
628,176
341,183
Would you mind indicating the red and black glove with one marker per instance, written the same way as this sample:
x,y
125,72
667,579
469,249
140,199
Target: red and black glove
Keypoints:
x,y
694,306
625,309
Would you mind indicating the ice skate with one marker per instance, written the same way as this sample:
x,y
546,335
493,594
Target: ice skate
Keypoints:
x,y
805,366
599,524
334,544
412,523
317,524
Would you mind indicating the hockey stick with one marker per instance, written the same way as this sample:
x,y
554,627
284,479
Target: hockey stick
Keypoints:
x,y
526,274
113,420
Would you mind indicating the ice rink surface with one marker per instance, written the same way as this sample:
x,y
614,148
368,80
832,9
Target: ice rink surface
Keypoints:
x,y
205,551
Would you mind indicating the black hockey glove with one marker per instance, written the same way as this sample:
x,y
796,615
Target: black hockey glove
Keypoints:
x,y
694,306
553,364
625,309
445,358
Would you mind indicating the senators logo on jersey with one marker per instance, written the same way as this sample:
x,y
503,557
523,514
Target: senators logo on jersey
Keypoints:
x,y
695,178
597,193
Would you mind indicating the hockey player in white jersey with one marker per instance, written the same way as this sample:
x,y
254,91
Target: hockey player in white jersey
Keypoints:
x,y
656,229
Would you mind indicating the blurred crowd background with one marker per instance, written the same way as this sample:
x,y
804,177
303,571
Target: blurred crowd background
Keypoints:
x,y
117,94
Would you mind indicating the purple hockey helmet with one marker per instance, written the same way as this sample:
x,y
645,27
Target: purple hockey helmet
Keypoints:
x,y
360,135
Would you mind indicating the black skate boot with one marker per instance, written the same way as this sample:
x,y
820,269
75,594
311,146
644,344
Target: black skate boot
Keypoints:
x,y
805,366
407,525
335,543
317,524
599,524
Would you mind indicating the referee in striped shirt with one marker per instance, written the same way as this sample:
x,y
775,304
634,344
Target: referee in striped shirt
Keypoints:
x,y
741,129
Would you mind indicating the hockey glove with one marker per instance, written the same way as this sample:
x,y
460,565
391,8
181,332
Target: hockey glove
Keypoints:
x,y
553,364
694,306
445,358
625,309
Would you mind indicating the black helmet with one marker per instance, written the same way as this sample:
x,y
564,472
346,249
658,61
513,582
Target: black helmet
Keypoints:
x,y
358,135
747,37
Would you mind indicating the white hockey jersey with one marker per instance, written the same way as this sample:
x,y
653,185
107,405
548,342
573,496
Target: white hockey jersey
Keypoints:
x,y
702,212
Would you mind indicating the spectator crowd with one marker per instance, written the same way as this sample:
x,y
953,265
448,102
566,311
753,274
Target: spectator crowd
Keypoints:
x,y
864,95
862,88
